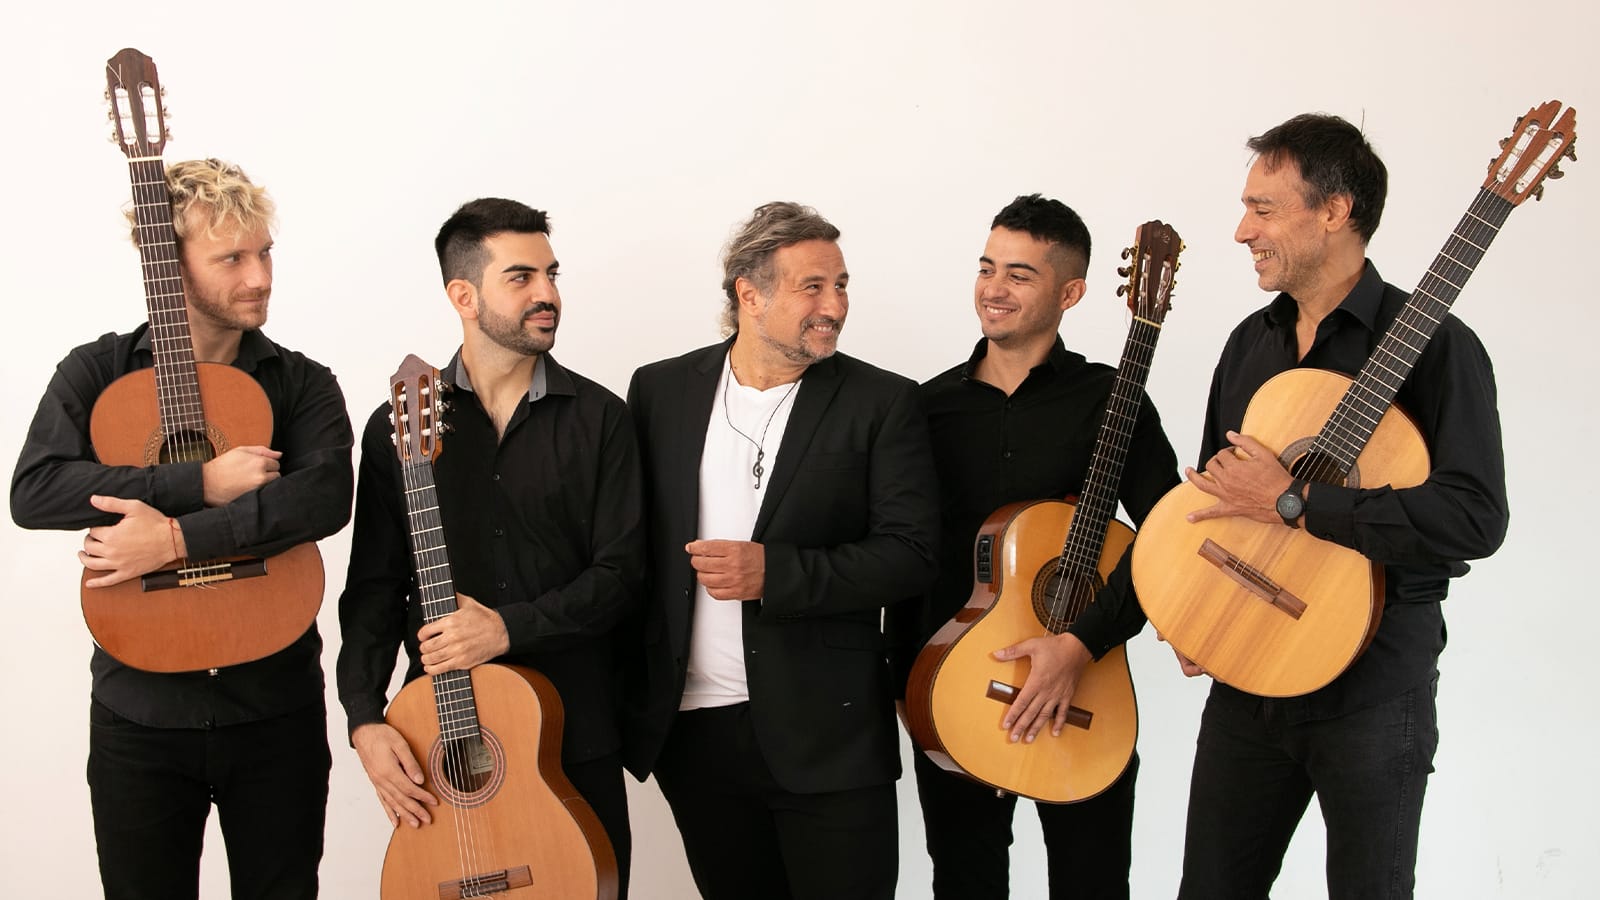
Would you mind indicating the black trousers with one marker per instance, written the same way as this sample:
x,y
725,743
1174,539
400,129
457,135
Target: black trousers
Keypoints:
x,y
151,790
600,783
749,839
1087,844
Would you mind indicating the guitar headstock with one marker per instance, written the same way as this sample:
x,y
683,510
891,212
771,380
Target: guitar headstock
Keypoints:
x,y
138,116
1152,270
416,407
1540,140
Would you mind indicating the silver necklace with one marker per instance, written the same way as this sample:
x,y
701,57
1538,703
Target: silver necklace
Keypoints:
x,y
761,446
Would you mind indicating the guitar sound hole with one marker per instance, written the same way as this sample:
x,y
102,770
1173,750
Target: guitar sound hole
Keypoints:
x,y
187,446
468,765
1060,592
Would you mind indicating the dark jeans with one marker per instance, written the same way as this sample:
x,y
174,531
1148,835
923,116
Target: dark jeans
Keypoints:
x,y
152,788
1087,844
749,839
1254,775
599,782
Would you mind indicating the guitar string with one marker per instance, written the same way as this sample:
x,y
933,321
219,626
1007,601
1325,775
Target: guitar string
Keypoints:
x,y
1355,418
1067,600
423,517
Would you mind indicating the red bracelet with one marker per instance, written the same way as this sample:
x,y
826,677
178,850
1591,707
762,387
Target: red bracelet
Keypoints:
x,y
173,524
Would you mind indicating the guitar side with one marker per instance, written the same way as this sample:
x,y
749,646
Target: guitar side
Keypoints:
x,y
197,615
955,717
527,826
1269,609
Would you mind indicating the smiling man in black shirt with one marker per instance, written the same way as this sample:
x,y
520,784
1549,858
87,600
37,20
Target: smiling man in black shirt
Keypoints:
x,y
539,495
1363,744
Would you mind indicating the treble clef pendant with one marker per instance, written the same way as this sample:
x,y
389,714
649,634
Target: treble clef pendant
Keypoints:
x,y
756,469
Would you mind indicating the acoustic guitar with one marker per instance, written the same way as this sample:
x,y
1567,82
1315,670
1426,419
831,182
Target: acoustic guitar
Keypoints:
x,y
508,823
1038,565
1270,609
190,614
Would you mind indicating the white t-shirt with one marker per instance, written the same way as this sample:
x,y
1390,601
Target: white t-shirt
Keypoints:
x,y
746,423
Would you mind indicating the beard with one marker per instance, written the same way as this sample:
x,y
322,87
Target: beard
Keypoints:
x,y
511,333
221,310
809,347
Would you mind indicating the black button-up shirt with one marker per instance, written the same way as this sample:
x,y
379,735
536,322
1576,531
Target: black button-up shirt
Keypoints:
x,y
58,471
1036,444
1420,534
542,525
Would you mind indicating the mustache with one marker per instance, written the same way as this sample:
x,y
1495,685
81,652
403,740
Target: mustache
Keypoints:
x,y
541,307
814,321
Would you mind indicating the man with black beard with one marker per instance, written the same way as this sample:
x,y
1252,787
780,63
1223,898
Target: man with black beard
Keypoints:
x,y
539,495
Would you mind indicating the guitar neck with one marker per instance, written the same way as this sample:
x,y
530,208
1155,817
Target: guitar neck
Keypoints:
x,y
1350,426
177,385
1097,505
452,691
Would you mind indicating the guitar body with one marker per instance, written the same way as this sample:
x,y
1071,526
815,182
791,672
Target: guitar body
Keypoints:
x,y
195,615
1269,609
954,715
524,828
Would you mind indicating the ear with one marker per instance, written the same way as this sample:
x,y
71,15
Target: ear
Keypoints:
x,y
463,298
1336,212
1072,291
749,295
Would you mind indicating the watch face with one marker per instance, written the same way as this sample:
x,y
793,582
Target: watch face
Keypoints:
x,y
1290,505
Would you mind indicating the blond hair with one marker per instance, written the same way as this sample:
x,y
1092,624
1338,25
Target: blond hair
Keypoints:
x,y
221,195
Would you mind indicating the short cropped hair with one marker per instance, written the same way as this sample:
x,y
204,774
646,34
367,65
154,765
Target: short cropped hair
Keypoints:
x,y
219,193
459,243
749,252
1054,223
1334,157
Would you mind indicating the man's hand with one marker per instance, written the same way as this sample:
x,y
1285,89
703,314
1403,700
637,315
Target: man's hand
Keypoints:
x,y
1188,666
471,635
730,570
1246,479
394,773
142,542
1056,663
238,472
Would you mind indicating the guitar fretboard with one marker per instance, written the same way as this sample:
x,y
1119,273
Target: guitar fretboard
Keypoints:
x,y
177,386
1348,429
452,691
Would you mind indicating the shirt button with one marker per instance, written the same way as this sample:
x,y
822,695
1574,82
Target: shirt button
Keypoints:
x,y
502,585
497,476
499,532
212,672
1006,454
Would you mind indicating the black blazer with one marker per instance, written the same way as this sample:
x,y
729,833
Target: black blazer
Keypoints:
x,y
850,525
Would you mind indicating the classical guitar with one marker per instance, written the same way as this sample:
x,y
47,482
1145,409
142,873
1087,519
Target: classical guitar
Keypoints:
x,y
508,823
1270,609
1038,566
189,614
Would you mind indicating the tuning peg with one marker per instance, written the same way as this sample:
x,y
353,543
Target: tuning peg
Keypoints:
x,y
446,428
1124,270
444,388
1538,191
1503,142
1122,290
1572,150
445,406
1128,251
1556,173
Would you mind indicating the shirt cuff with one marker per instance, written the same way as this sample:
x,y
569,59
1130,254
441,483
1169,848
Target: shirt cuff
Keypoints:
x,y
1331,513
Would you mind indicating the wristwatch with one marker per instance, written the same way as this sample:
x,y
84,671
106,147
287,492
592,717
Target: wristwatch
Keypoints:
x,y
1291,506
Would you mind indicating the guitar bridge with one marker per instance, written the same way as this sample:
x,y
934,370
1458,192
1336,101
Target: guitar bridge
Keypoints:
x,y
203,574
1252,579
487,884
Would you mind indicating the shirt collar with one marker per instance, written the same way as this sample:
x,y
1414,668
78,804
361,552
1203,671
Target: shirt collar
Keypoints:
x,y
1059,358
1360,304
549,377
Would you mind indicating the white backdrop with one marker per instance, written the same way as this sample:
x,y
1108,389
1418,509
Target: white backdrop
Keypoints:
x,y
648,130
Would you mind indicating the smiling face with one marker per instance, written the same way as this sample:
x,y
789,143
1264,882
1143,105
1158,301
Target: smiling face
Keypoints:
x,y
518,306
1289,241
802,317
1020,293
227,276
